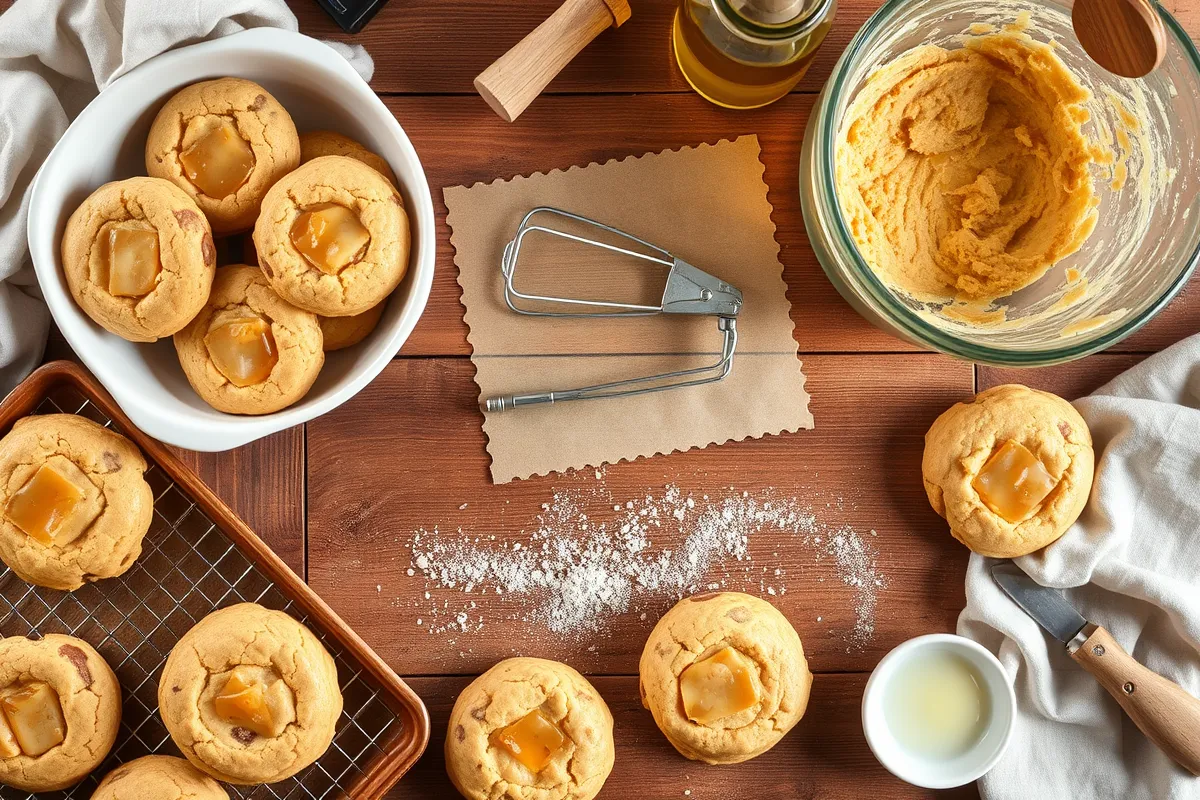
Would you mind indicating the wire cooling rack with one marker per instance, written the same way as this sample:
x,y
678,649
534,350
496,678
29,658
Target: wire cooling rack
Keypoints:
x,y
188,568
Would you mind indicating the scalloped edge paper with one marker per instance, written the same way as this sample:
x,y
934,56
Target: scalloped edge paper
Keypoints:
x,y
708,205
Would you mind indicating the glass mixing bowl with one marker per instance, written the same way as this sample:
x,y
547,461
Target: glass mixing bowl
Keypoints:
x,y
1147,237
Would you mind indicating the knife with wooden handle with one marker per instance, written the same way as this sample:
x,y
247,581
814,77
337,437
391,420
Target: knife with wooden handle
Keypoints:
x,y
1162,710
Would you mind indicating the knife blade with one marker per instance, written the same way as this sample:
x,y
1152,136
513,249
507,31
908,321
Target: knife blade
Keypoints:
x,y
1047,606
1162,710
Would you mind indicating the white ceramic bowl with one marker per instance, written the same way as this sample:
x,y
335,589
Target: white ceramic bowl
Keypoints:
x,y
106,142
970,765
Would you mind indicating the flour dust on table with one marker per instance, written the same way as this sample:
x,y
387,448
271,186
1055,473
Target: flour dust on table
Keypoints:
x,y
590,557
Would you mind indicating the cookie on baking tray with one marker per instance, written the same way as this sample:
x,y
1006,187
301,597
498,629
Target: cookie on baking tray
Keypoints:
x,y
60,708
250,695
225,142
153,777
139,258
529,728
333,237
315,144
724,676
74,505
249,351
1010,471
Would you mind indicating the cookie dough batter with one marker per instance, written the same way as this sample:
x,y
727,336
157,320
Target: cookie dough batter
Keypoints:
x,y
724,675
529,729
276,720
1010,471
159,778
60,709
965,173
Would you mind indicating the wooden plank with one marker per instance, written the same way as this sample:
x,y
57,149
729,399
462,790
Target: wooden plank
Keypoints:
x,y
263,482
409,38
1072,380
825,756
461,142
408,453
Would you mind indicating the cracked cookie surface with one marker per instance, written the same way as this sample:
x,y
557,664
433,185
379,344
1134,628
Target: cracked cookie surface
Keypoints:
x,y
696,628
91,707
341,332
362,284
248,635
158,778
962,440
240,291
505,694
315,144
260,120
187,257
107,467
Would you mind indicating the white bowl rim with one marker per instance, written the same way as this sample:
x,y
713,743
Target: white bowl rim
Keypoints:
x,y
236,430
883,672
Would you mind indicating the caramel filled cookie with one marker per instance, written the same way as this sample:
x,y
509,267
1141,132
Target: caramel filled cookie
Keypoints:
x,y
225,142
154,777
249,695
139,258
60,708
724,676
342,332
1010,471
315,144
74,505
333,237
529,728
249,351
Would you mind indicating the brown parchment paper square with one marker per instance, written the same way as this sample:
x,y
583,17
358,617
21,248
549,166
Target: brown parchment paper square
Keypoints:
x,y
708,206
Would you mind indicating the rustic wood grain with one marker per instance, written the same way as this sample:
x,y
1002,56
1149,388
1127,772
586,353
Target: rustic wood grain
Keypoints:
x,y
461,141
825,756
1065,380
417,427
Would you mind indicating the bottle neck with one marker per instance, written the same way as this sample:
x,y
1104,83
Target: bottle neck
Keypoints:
x,y
771,20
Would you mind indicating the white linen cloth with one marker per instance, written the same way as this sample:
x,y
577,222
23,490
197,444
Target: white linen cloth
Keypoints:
x,y
1135,557
55,55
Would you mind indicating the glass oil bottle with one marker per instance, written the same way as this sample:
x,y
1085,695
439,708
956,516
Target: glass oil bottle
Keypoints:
x,y
748,53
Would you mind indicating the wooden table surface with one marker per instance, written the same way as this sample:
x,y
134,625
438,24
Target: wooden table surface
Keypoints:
x,y
340,497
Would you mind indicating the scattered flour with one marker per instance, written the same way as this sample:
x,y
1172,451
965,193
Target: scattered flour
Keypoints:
x,y
584,564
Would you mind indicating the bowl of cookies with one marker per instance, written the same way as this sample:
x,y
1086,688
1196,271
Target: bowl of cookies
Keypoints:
x,y
235,237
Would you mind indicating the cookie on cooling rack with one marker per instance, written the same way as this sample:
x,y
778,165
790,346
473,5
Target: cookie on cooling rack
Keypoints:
x,y
60,708
250,695
158,777
74,505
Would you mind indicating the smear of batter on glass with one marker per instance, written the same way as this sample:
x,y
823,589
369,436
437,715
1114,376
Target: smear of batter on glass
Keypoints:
x,y
966,173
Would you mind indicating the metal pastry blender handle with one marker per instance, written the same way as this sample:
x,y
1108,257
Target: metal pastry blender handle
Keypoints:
x,y
634,386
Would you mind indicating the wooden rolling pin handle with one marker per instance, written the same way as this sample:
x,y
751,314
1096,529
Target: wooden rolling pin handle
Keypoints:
x,y
1168,715
512,82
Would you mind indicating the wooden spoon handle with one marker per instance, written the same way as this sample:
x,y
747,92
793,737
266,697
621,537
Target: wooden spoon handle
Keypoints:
x,y
1168,715
512,82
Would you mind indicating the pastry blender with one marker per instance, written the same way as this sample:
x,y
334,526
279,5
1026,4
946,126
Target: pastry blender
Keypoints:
x,y
688,290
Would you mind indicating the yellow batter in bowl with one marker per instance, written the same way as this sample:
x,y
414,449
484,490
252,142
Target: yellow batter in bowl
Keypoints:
x,y
966,173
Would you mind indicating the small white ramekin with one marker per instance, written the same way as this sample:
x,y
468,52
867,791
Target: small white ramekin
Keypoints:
x,y
970,765
107,141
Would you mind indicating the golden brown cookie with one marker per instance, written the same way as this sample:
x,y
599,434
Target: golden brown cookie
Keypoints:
x,y
74,505
342,332
333,237
250,695
225,142
158,778
139,258
527,729
60,708
249,351
315,144
724,676
1010,471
